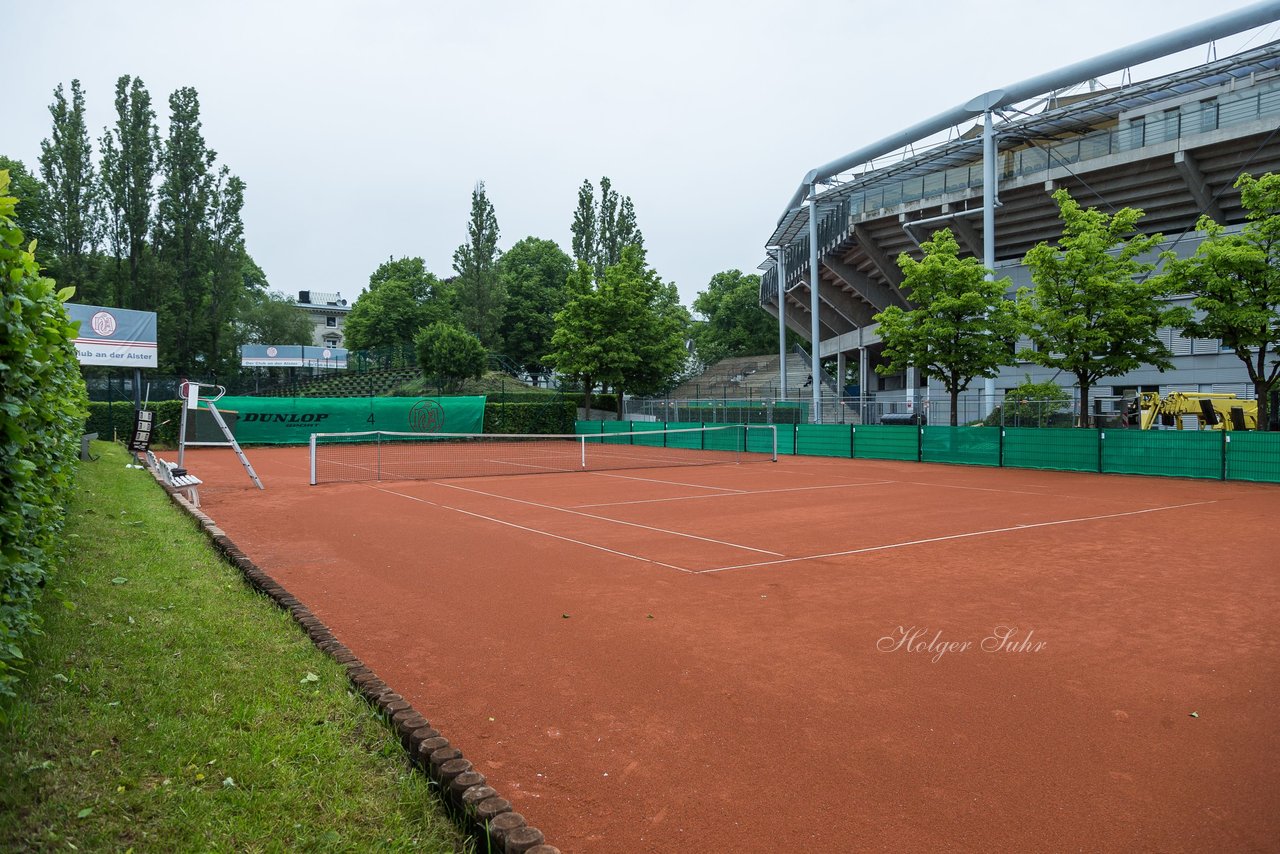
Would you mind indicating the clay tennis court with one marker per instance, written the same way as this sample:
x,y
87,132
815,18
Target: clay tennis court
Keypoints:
x,y
772,656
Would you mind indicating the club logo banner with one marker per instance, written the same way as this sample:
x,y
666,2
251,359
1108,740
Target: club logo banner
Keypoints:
x,y
114,336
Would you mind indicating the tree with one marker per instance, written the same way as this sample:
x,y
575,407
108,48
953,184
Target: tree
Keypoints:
x,y
478,289
626,329
386,317
1235,283
450,355
130,159
652,322
602,230
534,275
272,318
734,324
963,327
66,165
32,204
581,340
413,272
225,276
1094,312
181,234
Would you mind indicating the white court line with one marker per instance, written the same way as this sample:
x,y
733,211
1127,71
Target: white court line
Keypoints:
x,y
952,537
526,529
736,494
607,519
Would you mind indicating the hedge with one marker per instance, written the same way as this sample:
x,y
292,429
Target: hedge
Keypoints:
x,y
554,417
42,400
116,420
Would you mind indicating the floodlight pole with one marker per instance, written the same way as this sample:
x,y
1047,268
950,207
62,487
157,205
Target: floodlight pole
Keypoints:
x,y
782,322
989,202
814,340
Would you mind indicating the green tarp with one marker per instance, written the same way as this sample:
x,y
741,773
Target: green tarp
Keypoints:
x,y
292,420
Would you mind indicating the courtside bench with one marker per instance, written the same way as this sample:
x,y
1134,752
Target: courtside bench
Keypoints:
x,y
176,477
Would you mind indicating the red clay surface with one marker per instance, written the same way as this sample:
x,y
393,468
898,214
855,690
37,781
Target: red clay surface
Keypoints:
x,y
725,672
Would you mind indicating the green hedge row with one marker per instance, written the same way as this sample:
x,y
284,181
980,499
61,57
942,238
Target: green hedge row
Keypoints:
x,y
42,401
116,420
555,417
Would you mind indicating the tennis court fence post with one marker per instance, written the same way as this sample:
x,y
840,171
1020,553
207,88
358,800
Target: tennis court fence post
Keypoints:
x,y
1226,442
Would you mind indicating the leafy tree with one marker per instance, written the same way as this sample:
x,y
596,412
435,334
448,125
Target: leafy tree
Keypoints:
x,y
1094,313
654,324
1235,282
582,339
450,355
1031,404
962,327
534,275
130,160
181,234
32,204
734,323
66,165
384,318
478,289
626,329
413,272
272,318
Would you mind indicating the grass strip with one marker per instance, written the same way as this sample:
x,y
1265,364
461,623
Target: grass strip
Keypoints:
x,y
169,707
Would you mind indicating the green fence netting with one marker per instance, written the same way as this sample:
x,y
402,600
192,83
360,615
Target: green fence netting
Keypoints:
x,y
886,442
972,446
1237,455
1174,453
824,440
1062,450
292,420
1253,456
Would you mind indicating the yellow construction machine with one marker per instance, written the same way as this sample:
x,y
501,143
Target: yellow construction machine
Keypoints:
x,y
1211,411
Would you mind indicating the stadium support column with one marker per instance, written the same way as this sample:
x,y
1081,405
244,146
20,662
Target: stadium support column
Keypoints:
x,y
988,231
815,343
782,322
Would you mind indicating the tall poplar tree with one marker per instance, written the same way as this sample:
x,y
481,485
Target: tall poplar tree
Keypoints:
x,y
181,235
130,157
478,290
584,225
602,229
226,291
66,165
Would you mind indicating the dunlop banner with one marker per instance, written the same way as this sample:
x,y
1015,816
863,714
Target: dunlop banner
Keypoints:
x,y
292,420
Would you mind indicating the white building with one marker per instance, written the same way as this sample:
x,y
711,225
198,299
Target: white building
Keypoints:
x,y
328,312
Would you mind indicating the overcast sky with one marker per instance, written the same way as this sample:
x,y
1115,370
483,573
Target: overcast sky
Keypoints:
x,y
360,128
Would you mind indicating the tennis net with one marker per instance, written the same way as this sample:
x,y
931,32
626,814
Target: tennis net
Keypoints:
x,y
382,455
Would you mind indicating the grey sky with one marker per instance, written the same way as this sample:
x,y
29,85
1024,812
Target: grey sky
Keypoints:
x,y
361,127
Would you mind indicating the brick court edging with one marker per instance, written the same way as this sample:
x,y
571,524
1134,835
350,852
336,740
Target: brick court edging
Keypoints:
x,y
478,808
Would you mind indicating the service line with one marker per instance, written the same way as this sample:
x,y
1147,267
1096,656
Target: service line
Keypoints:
x,y
607,519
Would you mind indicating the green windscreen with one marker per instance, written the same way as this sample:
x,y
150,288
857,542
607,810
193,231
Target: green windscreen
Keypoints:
x,y
1174,453
1253,456
1046,448
292,420
824,440
886,442
973,446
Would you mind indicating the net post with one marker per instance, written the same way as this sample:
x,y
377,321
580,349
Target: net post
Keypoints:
x,y
378,464
313,459
583,443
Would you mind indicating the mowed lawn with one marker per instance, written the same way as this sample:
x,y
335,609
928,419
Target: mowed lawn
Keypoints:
x,y
168,707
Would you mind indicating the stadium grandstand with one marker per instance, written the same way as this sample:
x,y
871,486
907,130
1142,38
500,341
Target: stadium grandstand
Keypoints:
x,y
1172,145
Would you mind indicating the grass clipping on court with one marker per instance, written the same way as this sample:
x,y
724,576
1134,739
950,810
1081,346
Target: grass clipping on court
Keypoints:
x,y
168,707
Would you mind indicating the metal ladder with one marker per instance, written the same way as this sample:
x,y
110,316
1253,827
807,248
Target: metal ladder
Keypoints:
x,y
226,431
